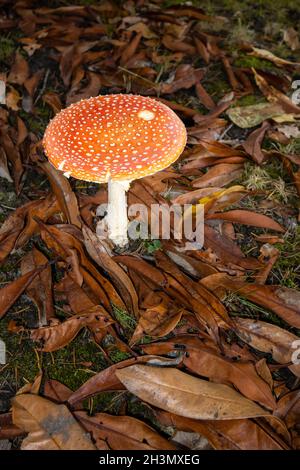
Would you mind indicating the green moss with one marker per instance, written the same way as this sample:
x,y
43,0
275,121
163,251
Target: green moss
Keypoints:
x,y
117,356
271,178
38,122
128,322
152,246
286,270
216,83
71,365
7,48
238,306
249,100
249,61
292,148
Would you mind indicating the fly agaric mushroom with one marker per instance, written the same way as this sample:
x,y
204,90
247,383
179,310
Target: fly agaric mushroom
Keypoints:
x,y
114,139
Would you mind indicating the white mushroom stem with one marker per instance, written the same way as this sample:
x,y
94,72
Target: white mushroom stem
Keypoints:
x,y
117,220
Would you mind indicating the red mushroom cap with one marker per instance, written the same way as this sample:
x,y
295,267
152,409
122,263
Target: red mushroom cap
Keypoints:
x,y
122,137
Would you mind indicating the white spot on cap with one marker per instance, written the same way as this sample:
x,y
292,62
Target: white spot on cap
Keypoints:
x,y
61,165
146,115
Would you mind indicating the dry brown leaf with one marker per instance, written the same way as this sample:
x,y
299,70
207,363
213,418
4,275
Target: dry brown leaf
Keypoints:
x,y
238,434
275,96
63,191
172,390
49,426
19,71
40,289
241,216
107,379
122,433
4,171
252,144
71,249
269,338
219,175
59,335
10,293
206,361
291,38
267,55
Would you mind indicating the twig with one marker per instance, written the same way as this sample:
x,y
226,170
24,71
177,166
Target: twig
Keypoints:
x,y
43,87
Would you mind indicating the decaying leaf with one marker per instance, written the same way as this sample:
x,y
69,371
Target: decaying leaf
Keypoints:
x,y
239,434
10,293
122,433
59,335
185,395
40,289
253,115
63,191
270,339
49,426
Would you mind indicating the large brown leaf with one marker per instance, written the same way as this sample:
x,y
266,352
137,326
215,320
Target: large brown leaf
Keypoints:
x,y
248,218
185,395
108,380
49,426
10,293
238,434
59,335
122,433
269,338
63,191
208,362
219,175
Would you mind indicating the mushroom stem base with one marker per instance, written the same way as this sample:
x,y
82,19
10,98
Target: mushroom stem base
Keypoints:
x,y
117,221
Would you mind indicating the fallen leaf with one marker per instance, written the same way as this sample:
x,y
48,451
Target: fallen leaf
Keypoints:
x,y
63,191
4,171
252,144
40,289
130,49
19,71
238,434
267,55
291,38
241,216
56,337
108,380
275,96
185,395
7,429
253,115
49,426
269,338
207,362
11,292
122,433
157,321
219,175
